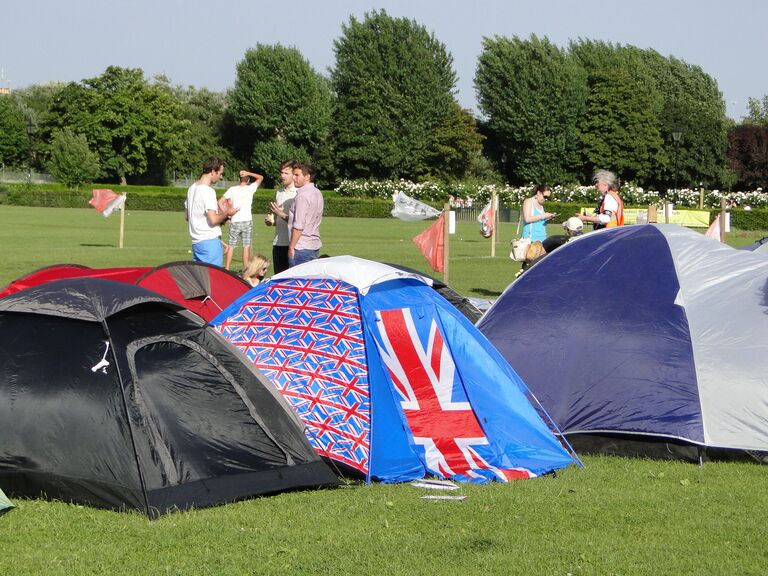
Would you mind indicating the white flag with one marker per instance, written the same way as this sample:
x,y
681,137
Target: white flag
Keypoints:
x,y
406,208
714,229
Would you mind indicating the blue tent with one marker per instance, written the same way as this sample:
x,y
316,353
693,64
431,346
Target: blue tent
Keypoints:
x,y
649,333
389,379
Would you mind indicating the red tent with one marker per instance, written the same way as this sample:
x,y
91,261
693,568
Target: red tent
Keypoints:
x,y
201,288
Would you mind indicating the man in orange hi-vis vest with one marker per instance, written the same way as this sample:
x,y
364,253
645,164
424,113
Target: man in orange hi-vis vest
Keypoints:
x,y
610,210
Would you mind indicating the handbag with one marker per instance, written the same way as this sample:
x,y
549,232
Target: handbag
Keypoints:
x,y
520,245
519,249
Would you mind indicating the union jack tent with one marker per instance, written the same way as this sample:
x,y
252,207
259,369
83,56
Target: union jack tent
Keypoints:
x,y
389,379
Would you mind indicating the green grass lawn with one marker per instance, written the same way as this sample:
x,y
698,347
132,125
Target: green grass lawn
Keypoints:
x,y
615,516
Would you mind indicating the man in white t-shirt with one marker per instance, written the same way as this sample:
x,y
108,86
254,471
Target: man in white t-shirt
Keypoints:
x,y
241,224
284,198
205,215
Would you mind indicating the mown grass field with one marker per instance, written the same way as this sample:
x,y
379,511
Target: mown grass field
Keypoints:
x,y
615,516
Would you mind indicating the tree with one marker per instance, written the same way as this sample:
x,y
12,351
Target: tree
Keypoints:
x,y
619,129
269,154
204,118
129,122
748,155
671,96
456,149
758,111
279,96
394,84
533,96
35,103
14,144
72,162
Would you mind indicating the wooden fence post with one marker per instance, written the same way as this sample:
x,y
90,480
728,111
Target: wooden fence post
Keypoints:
x,y
447,242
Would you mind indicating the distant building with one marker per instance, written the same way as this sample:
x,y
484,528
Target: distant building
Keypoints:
x,y
5,90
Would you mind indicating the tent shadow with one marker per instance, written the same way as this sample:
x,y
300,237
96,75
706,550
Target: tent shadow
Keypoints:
x,y
486,292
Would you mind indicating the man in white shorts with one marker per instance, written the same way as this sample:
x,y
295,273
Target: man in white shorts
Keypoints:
x,y
241,224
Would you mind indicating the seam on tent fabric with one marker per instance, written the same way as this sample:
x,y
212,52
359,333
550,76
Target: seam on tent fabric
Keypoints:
x,y
127,416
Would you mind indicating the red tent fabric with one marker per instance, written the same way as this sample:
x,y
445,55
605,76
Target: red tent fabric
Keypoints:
x,y
60,271
202,288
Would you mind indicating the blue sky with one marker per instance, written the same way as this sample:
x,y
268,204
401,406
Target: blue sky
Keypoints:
x,y
200,43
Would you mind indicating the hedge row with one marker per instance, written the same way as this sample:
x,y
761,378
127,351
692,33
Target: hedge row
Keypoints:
x,y
159,199
165,199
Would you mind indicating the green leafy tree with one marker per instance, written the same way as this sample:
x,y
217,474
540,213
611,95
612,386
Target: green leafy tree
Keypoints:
x,y
758,111
456,149
72,162
659,97
35,102
14,144
269,154
278,95
204,114
693,106
394,84
619,129
533,96
129,122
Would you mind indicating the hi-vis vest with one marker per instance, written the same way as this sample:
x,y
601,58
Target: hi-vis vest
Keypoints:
x,y
617,219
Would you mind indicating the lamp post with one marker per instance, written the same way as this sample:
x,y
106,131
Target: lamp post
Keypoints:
x,y
676,137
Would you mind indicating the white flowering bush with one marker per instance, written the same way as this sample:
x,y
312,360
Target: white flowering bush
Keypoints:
x,y
464,194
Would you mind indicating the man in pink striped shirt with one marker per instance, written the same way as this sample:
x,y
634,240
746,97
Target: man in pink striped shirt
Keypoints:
x,y
304,217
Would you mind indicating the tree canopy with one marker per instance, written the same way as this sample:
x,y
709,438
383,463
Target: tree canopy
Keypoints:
x,y
394,84
533,95
129,122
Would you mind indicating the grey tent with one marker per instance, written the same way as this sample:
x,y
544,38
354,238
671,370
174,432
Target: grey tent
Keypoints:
x,y
5,504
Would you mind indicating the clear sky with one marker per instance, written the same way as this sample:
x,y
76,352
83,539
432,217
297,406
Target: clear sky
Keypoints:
x,y
199,43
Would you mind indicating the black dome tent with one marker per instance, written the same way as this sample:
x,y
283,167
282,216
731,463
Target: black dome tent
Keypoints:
x,y
115,397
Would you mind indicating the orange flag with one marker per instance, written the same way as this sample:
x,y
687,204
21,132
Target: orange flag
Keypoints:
x,y
106,201
431,242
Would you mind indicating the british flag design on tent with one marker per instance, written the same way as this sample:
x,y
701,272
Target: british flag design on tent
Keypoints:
x,y
388,378
306,337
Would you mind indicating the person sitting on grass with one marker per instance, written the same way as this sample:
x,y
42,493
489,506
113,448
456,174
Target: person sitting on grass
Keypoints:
x,y
256,269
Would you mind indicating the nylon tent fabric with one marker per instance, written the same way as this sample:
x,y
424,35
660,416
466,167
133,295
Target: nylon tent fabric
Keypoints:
x,y
5,504
389,379
761,244
202,288
61,271
116,397
649,332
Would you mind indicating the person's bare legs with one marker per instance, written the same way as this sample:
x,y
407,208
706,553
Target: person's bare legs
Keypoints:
x,y
246,255
229,251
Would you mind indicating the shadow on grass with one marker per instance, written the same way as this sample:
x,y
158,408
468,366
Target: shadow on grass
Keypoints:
x,y
486,292
98,245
